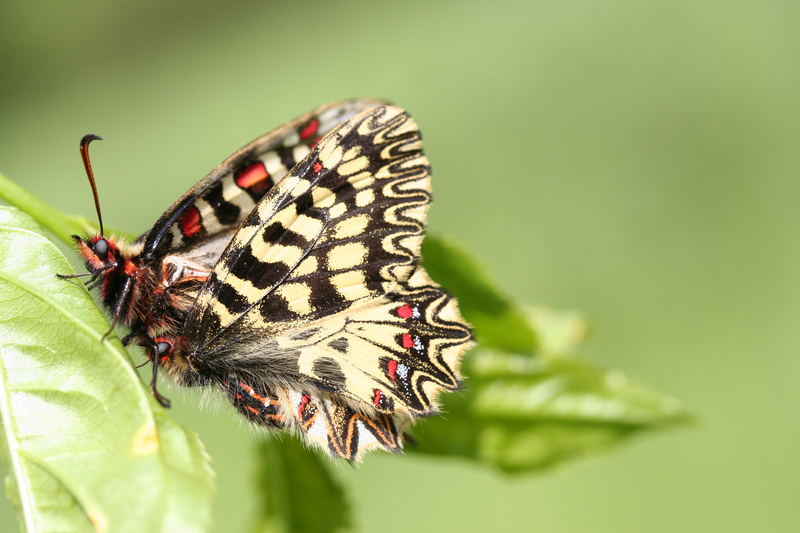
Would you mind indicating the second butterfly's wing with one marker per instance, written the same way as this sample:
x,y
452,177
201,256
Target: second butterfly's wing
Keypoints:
x,y
199,224
319,297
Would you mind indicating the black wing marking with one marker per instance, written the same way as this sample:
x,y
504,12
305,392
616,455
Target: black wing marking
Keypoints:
x,y
210,212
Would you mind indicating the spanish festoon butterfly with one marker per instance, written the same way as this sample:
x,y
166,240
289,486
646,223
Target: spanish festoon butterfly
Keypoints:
x,y
289,278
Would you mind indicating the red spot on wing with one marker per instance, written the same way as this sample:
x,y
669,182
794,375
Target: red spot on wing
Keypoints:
x,y
391,366
377,398
307,131
254,177
405,311
317,167
407,341
303,402
190,222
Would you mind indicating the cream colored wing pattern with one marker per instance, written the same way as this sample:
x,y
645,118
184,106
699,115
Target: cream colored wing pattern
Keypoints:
x,y
320,298
346,224
208,213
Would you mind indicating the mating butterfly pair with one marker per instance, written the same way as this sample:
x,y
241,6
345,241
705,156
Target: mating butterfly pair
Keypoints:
x,y
290,279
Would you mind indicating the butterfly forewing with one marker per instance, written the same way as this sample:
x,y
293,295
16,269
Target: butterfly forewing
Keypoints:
x,y
346,224
319,295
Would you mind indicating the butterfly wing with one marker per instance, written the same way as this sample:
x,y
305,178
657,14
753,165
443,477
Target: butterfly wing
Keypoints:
x,y
319,293
353,381
200,223
320,418
341,429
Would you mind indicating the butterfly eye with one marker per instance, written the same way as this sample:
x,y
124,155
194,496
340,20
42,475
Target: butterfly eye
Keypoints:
x,y
101,248
163,347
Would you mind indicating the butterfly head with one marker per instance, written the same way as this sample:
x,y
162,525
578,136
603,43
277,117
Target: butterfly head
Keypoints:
x,y
99,253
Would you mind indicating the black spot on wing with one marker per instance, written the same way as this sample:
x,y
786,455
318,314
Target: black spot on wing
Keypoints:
x,y
330,373
340,344
226,212
275,308
234,302
305,334
304,203
261,274
287,157
344,191
271,233
330,180
324,295
253,219
291,238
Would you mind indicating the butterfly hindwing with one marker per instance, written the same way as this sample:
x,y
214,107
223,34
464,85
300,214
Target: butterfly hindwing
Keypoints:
x,y
257,402
393,353
322,420
337,427
200,223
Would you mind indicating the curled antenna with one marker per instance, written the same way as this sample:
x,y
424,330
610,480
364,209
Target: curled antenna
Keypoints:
x,y
88,166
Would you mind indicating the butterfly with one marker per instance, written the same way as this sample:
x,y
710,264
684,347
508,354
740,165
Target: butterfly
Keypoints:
x,y
290,279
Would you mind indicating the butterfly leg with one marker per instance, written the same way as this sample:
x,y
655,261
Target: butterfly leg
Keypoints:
x,y
72,276
84,274
154,385
94,282
126,340
121,300
158,351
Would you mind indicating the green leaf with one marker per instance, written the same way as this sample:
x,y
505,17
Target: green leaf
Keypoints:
x,y
52,219
87,447
497,322
519,413
559,332
299,495
61,225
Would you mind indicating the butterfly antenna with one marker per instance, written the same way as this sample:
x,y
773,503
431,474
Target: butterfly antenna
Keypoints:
x,y
88,166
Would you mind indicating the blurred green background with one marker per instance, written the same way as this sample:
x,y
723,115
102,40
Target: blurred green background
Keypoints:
x,y
637,161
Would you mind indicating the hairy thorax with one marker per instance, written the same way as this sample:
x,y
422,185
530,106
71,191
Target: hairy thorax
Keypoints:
x,y
153,299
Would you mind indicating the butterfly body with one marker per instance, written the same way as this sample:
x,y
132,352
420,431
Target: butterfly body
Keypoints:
x,y
290,279
142,296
